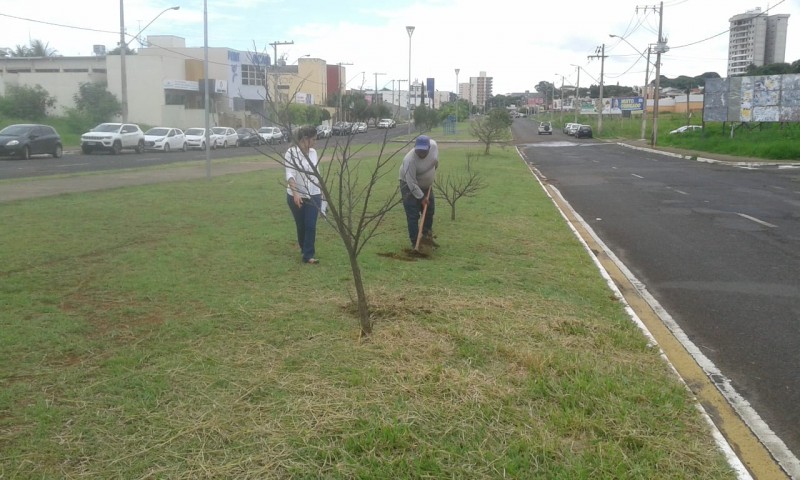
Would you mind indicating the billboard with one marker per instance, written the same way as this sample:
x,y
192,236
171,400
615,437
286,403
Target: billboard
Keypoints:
x,y
429,87
762,98
633,104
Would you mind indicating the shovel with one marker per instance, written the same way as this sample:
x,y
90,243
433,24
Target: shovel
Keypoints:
x,y
422,220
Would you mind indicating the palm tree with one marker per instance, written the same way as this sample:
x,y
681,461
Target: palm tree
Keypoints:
x,y
40,48
37,48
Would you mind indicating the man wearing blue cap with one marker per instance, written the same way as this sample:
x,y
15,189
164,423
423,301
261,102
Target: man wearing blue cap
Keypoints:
x,y
417,174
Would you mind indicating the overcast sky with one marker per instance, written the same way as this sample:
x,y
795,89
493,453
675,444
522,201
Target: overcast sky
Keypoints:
x,y
517,42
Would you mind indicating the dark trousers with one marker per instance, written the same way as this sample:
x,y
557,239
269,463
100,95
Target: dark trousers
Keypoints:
x,y
305,219
413,208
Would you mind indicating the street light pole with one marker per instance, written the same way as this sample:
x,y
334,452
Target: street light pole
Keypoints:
x,y
410,30
646,80
457,93
123,45
577,92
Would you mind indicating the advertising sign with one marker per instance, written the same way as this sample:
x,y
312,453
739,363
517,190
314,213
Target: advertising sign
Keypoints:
x,y
631,104
762,98
429,87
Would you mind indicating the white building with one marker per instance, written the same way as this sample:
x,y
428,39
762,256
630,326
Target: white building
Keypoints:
x,y
756,38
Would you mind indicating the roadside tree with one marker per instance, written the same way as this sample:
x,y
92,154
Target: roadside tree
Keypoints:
x,y
492,128
26,102
94,104
459,184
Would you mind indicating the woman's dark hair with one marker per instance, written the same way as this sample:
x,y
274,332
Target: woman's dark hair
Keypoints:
x,y
306,131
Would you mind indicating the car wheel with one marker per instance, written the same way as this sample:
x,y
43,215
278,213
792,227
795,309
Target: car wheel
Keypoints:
x,y
25,154
184,147
139,147
86,150
58,152
202,145
225,144
117,148
166,147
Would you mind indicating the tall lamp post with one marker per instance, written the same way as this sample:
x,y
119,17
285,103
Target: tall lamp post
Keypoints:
x,y
123,45
457,94
410,30
646,80
577,92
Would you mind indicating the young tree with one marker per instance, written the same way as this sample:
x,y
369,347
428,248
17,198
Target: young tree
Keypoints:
x,y
426,118
96,103
492,128
463,183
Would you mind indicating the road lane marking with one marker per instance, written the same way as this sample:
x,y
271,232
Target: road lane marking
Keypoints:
x,y
754,219
637,176
72,165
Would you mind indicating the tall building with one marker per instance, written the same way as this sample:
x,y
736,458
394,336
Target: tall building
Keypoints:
x,y
480,89
756,38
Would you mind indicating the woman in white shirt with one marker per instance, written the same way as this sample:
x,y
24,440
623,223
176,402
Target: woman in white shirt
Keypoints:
x,y
302,191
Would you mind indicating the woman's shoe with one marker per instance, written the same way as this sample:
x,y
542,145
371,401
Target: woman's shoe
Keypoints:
x,y
312,261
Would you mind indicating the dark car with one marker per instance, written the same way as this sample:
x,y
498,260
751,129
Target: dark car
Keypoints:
x,y
23,140
342,128
249,137
584,131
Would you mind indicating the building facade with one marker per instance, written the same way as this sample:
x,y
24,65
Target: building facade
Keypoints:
x,y
480,90
757,39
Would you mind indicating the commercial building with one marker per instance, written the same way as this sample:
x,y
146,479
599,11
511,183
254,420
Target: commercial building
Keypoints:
x,y
165,82
756,38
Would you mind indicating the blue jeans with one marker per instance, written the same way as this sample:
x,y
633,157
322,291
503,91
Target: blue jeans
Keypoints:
x,y
413,208
305,219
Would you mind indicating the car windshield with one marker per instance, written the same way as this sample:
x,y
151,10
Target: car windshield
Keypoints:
x,y
107,127
16,130
196,131
157,132
219,130
244,131
265,130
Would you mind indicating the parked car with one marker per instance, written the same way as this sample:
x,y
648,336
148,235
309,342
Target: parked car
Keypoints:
x,y
573,127
249,137
687,128
113,137
195,138
324,131
566,127
26,139
545,128
271,135
224,137
342,128
386,123
360,127
165,139
583,131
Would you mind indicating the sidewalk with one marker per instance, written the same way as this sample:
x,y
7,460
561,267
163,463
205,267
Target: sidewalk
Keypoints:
x,y
708,157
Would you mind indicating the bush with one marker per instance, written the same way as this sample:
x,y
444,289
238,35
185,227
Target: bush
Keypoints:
x,y
26,102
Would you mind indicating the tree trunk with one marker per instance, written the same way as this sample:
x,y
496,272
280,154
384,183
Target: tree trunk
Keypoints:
x,y
453,211
363,307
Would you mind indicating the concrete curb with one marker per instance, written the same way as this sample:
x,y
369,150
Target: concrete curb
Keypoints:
x,y
712,160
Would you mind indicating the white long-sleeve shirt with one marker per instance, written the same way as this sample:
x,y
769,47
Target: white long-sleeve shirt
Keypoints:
x,y
299,168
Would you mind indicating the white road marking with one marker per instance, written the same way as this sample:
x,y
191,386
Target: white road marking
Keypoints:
x,y
637,176
72,165
754,219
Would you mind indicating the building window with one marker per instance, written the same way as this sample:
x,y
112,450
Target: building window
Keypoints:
x,y
173,98
77,70
46,70
253,75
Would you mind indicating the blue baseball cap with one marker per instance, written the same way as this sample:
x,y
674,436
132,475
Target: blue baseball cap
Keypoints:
x,y
423,143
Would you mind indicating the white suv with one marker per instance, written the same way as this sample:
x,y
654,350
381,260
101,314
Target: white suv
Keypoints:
x,y
113,137
271,134
386,123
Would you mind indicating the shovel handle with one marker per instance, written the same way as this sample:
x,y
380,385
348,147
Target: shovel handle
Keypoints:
x,y
422,219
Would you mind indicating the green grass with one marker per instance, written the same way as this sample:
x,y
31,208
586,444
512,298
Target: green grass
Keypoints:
x,y
769,141
171,331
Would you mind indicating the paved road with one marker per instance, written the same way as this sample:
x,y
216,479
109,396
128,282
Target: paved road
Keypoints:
x,y
717,245
76,162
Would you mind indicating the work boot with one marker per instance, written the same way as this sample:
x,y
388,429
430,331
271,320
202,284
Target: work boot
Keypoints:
x,y
427,239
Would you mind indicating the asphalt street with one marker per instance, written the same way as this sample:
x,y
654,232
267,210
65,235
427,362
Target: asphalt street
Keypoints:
x,y
717,245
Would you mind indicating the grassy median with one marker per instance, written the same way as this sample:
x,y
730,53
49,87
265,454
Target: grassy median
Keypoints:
x,y
171,331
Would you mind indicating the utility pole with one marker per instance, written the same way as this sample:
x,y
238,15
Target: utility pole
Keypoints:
x,y
275,50
661,47
646,82
342,89
601,54
375,99
577,93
